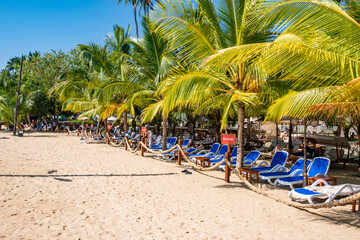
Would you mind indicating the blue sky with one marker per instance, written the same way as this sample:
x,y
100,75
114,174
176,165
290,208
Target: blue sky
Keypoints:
x,y
42,25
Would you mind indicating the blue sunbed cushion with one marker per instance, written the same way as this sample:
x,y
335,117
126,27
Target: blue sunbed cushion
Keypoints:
x,y
262,168
291,179
305,191
271,174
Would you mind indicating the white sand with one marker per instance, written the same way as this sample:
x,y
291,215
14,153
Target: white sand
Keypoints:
x,y
102,192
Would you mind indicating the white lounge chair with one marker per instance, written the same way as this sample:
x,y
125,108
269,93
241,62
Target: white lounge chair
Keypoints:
x,y
327,191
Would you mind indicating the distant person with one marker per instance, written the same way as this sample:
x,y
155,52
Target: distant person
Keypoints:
x,y
38,125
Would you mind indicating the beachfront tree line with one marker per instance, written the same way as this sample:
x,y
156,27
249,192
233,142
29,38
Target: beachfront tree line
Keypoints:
x,y
227,60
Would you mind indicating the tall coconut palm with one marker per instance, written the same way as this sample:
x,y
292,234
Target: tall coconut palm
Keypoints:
x,y
200,31
148,64
146,5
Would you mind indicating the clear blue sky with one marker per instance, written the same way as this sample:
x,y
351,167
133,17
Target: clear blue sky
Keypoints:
x,y
42,25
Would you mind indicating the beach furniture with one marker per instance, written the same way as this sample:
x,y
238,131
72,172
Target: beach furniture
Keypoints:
x,y
319,166
279,159
203,153
295,170
326,191
249,159
220,156
170,155
265,148
169,143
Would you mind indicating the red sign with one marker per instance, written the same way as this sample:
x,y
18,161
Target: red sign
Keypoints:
x,y
91,125
143,129
228,139
108,126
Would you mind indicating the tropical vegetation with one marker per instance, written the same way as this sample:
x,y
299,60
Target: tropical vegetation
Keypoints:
x,y
226,60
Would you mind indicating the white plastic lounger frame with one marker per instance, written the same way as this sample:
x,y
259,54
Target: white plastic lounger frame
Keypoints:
x,y
287,181
275,168
315,191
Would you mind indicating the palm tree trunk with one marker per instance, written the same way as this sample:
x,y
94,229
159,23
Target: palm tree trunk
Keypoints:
x,y
133,123
17,97
248,133
136,23
126,127
164,134
241,120
305,156
290,138
98,127
277,134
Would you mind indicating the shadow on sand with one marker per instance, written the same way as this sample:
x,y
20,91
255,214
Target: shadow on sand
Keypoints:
x,y
86,175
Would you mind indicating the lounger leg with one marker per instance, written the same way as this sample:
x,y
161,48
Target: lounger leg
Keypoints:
x,y
353,206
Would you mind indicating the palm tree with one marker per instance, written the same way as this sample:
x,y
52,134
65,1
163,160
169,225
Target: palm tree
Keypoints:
x,y
145,4
147,65
200,32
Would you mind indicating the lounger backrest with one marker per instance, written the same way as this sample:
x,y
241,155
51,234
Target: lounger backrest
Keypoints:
x,y
280,157
158,139
299,164
214,148
319,165
186,143
223,150
234,152
190,150
172,141
253,156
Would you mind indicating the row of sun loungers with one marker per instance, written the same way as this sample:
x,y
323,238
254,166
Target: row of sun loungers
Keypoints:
x,y
274,172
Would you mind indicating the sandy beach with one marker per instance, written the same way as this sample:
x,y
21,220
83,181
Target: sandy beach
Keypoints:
x,y
54,187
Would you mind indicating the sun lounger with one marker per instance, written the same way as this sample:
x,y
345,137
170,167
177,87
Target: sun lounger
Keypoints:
x,y
220,156
169,144
203,153
250,158
233,157
170,155
277,161
296,169
319,166
327,191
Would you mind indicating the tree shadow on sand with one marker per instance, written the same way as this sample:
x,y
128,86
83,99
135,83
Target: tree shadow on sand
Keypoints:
x,y
85,175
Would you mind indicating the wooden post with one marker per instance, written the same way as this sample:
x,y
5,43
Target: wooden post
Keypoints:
x,y
227,168
142,147
305,180
126,139
17,96
180,142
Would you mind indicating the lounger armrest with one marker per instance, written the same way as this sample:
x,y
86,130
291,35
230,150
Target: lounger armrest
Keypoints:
x,y
297,172
209,155
276,167
221,156
319,182
263,162
320,175
279,168
337,192
233,159
202,152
